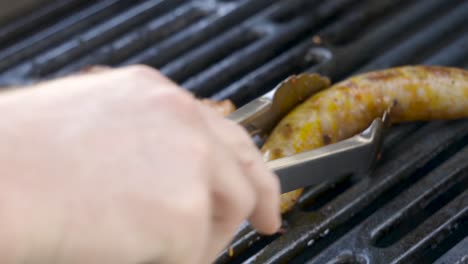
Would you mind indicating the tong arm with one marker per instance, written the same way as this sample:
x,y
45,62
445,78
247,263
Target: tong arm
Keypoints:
x,y
253,115
259,116
331,162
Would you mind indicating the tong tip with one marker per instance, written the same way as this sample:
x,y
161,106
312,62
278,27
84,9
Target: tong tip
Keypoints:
x,y
386,117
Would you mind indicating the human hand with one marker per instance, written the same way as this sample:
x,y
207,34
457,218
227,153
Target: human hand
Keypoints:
x,y
123,166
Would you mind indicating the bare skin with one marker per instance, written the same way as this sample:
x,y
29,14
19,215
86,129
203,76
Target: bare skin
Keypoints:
x,y
414,93
122,166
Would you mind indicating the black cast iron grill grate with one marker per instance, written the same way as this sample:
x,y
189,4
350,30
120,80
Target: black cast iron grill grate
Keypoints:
x,y
413,208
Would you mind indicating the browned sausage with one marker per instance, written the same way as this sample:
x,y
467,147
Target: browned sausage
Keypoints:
x,y
415,93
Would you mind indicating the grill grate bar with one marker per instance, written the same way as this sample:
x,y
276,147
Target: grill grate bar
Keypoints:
x,y
351,56
172,48
266,77
354,24
410,16
54,34
422,199
99,35
456,255
456,213
222,73
398,133
361,240
254,85
203,57
454,54
412,153
10,33
233,67
405,51
242,49
319,196
125,46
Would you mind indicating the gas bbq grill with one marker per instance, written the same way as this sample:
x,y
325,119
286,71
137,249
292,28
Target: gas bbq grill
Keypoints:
x,y
412,209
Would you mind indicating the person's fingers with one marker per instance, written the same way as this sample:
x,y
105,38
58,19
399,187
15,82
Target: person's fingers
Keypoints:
x,y
138,75
233,199
148,73
94,69
266,215
138,70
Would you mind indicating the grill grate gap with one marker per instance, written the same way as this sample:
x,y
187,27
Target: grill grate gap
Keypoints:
x,y
277,40
419,45
360,20
441,179
445,231
348,258
246,243
154,31
200,59
51,36
417,206
387,36
434,162
38,20
316,198
417,212
367,196
445,245
159,55
456,255
269,75
327,237
252,249
283,38
224,73
456,53
395,232
99,35
291,11
374,205
422,27
438,46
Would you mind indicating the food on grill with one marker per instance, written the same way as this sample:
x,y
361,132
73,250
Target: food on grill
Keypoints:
x,y
224,107
413,93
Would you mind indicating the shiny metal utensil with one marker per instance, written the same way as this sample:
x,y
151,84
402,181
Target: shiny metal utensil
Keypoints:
x,y
325,164
262,114
329,163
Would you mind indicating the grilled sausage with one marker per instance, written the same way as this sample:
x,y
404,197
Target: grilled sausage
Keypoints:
x,y
414,93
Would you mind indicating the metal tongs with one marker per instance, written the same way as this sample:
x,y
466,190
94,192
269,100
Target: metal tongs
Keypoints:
x,y
326,164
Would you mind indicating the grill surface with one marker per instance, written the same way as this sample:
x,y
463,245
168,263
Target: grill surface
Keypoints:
x,y
413,208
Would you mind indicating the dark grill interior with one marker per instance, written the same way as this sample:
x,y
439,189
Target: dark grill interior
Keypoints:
x,y
412,209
